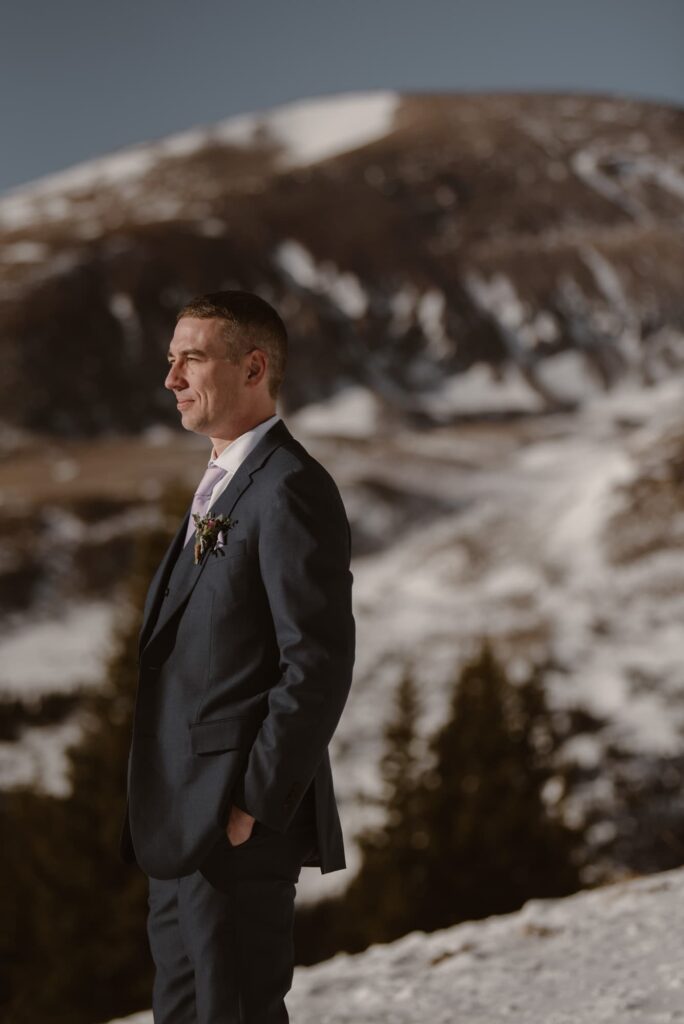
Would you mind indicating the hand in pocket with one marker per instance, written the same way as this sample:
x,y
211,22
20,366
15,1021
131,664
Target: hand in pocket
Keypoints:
x,y
240,826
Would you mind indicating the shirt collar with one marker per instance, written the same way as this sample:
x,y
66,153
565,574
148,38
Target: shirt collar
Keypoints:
x,y
238,449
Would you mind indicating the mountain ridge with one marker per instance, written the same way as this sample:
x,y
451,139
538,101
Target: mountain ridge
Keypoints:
x,y
465,231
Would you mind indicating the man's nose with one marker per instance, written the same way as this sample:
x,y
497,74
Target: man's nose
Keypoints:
x,y
173,378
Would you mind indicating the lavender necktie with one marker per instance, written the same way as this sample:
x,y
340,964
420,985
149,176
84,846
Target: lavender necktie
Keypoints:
x,y
200,503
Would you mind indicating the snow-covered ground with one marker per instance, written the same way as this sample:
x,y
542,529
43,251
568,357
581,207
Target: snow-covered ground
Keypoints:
x,y
604,956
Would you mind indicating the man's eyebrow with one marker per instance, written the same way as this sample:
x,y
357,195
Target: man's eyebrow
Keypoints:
x,y
186,352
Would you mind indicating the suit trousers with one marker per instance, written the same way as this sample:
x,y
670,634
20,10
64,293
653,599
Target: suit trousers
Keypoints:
x,y
221,938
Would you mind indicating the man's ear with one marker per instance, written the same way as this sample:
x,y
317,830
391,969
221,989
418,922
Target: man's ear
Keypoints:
x,y
253,371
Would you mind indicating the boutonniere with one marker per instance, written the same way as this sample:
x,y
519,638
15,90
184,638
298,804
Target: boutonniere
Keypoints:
x,y
210,534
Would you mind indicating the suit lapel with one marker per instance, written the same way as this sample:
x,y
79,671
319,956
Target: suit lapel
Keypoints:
x,y
186,573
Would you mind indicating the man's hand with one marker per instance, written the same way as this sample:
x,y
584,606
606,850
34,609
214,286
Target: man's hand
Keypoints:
x,y
239,827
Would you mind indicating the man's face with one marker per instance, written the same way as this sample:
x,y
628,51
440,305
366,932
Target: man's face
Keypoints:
x,y
210,392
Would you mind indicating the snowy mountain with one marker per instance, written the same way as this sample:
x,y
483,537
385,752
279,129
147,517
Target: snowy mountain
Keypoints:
x,y
505,253
484,296
602,957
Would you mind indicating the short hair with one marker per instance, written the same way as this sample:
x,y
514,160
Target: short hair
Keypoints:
x,y
253,322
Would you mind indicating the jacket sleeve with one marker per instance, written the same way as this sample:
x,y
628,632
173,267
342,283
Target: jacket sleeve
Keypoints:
x,y
304,557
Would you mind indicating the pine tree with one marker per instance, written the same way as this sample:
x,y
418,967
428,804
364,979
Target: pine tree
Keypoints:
x,y
394,875
471,834
379,902
75,913
494,842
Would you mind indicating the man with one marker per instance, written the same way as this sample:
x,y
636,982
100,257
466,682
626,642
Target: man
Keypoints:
x,y
246,654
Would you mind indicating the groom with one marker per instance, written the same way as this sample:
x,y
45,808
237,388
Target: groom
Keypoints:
x,y
246,654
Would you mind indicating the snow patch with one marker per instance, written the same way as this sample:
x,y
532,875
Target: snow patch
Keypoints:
x,y
352,412
38,759
430,311
342,288
59,654
316,129
481,390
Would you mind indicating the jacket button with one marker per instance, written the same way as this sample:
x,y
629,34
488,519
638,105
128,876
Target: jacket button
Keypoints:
x,y
167,591
292,792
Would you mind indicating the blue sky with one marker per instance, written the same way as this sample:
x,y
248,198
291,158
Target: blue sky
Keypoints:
x,y
80,78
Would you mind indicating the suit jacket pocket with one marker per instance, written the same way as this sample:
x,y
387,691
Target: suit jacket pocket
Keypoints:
x,y
232,553
221,734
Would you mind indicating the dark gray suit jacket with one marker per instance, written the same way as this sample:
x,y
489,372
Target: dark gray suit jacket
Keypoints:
x,y
245,667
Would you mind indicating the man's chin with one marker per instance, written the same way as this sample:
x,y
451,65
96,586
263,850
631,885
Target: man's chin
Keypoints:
x,y
189,422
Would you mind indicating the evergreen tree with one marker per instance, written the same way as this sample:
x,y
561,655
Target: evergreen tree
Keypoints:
x,y
470,835
380,899
394,869
75,914
494,842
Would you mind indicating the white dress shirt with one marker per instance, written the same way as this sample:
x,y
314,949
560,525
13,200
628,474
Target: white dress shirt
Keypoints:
x,y
236,452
